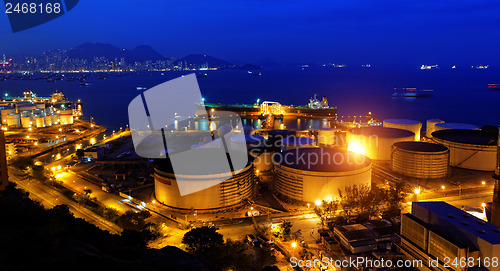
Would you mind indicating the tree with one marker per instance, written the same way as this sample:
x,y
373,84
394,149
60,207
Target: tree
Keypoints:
x,y
22,162
202,241
286,227
133,221
394,196
360,200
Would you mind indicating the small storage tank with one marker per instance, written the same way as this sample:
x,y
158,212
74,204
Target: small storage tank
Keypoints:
x,y
295,142
25,114
326,137
25,108
431,126
40,121
420,159
454,125
5,111
311,174
263,161
376,142
66,116
405,124
26,121
14,119
48,120
469,149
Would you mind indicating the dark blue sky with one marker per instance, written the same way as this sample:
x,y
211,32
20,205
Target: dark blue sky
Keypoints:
x,y
340,31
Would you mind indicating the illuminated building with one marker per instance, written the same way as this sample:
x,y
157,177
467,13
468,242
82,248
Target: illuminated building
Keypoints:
x,y
439,230
312,174
495,216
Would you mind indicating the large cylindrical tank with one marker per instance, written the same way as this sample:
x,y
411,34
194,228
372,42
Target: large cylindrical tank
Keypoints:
x,y
469,149
26,121
66,116
5,111
40,121
294,142
405,124
431,126
25,108
263,161
205,189
40,106
420,159
376,142
326,137
454,125
14,119
311,174
48,120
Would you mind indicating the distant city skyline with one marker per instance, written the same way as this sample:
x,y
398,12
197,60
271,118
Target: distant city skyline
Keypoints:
x,y
385,32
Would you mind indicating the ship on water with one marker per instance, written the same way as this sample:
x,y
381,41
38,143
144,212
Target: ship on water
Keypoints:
x,y
494,86
412,92
315,108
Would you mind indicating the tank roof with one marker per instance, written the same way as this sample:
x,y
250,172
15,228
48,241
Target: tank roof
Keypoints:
x,y
206,161
383,132
247,138
476,137
420,146
293,140
455,125
402,121
322,160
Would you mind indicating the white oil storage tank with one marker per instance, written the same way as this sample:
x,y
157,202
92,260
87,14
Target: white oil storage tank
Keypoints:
x,y
326,137
405,124
5,111
420,159
431,126
48,120
469,149
312,174
66,116
376,142
26,121
455,125
14,119
294,142
40,121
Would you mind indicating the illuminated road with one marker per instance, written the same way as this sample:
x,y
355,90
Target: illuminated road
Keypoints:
x,y
49,198
75,183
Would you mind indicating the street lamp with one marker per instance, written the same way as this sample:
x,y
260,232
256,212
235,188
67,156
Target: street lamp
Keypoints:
x,y
483,183
294,244
318,202
443,187
417,191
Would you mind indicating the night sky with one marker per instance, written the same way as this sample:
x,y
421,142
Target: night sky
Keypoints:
x,y
386,32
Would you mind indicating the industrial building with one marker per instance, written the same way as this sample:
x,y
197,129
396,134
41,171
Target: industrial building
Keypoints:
x,y
311,174
376,142
469,149
420,159
223,188
439,230
405,124
367,237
